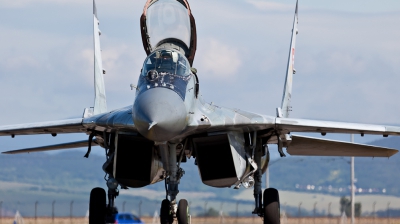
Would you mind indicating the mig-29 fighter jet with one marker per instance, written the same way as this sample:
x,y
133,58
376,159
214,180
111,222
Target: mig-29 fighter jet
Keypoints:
x,y
169,122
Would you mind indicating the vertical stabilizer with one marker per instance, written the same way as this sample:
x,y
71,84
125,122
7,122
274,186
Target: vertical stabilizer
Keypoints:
x,y
287,91
100,104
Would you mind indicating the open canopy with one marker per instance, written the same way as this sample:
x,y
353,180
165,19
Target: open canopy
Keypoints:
x,y
169,24
168,19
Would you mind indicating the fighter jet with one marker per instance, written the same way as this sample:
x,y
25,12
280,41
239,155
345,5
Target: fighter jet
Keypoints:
x,y
169,122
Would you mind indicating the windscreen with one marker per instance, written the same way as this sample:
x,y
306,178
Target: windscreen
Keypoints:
x,y
166,61
166,69
168,19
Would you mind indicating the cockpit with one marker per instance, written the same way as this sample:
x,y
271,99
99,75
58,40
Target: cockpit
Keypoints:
x,y
165,68
166,61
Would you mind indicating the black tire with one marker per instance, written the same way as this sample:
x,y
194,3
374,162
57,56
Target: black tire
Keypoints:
x,y
97,206
271,206
183,212
165,212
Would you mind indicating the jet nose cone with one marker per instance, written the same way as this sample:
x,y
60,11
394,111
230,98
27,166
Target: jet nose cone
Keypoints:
x,y
159,114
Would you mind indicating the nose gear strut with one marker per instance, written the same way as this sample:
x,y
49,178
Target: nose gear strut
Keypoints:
x,y
170,209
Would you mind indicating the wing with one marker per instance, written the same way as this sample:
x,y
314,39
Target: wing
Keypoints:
x,y
69,145
289,125
305,146
210,119
117,120
49,127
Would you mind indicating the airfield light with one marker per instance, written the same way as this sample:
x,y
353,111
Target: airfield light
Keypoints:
x,y
299,212
373,209
352,184
140,209
388,214
36,204
329,209
123,206
71,209
315,210
52,211
205,208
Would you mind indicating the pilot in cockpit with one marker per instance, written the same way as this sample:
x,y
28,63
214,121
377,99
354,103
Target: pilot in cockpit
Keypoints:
x,y
167,62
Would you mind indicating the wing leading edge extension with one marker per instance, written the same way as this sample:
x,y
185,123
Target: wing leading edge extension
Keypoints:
x,y
118,120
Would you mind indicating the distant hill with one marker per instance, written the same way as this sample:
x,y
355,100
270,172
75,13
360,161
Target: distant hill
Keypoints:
x,y
71,170
68,176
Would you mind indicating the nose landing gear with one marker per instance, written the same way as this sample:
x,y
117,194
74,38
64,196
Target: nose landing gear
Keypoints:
x,y
170,209
182,213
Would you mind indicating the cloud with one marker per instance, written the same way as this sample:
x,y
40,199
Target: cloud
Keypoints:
x,y
270,6
25,3
99,3
19,61
219,60
346,63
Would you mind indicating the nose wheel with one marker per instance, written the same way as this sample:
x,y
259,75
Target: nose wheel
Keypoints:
x,y
182,214
165,212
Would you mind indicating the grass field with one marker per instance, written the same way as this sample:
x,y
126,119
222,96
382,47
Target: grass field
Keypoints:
x,y
213,220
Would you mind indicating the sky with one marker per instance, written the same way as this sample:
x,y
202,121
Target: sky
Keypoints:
x,y
347,58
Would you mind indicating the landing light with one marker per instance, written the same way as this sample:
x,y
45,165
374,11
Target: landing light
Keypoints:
x,y
112,183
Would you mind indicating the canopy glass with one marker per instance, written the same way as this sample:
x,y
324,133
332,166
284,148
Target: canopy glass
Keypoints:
x,y
168,19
